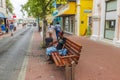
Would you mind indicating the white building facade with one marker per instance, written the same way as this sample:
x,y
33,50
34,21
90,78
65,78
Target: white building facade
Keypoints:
x,y
106,20
2,8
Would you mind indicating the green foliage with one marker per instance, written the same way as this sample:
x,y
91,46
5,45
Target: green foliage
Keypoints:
x,y
38,8
9,6
89,31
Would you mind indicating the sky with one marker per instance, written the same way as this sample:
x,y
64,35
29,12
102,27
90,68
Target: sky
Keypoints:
x,y
17,7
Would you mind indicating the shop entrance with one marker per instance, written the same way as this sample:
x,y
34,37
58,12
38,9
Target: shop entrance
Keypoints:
x,y
110,21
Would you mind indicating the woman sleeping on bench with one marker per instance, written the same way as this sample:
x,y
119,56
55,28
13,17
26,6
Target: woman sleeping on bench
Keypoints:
x,y
59,47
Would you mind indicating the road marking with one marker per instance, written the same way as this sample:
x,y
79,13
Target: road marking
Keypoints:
x,y
23,70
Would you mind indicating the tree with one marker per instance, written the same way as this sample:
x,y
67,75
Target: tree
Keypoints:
x,y
22,10
39,9
9,7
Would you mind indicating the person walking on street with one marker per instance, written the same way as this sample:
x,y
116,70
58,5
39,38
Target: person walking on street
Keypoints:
x,y
11,28
2,26
50,28
57,29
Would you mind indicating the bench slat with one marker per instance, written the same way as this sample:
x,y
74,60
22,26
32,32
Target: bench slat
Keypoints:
x,y
73,46
55,60
76,46
69,56
59,59
74,43
71,50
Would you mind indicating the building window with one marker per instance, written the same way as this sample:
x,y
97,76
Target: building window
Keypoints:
x,y
1,3
66,23
69,24
110,24
110,29
111,5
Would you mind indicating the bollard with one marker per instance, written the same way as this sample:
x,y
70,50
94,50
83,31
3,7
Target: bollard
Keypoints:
x,y
70,71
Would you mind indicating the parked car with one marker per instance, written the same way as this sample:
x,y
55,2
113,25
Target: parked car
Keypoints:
x,y
29,25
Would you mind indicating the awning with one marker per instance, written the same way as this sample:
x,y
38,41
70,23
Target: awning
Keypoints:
x,y
68,9
2,15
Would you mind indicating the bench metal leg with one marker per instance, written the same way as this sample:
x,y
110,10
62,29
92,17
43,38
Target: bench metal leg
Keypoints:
x,y
73,70
70,72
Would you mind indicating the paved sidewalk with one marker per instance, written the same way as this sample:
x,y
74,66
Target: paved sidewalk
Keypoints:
x,y
98,61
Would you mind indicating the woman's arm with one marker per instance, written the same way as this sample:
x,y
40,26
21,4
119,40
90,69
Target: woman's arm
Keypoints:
x,y
63,46
52,43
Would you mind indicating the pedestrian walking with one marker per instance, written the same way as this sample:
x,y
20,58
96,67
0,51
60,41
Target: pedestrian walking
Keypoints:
x,y
11,28
50,28
2,26
57,29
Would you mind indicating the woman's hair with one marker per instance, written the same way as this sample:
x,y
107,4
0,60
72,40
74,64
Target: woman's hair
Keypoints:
x,y
51,24
57,22
61,33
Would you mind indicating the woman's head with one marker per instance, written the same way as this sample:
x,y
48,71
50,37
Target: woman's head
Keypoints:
x,y
50,34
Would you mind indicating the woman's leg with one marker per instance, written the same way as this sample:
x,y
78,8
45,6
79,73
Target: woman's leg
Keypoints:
x,y
57,32
50,49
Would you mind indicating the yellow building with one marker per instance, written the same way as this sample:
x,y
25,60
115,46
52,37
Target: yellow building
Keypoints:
x,y
85,15
67,12
76,16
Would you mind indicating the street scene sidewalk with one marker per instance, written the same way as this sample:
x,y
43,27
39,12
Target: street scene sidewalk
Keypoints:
x,y
98,61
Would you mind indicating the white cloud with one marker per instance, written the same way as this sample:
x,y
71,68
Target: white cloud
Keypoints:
x,y
17,7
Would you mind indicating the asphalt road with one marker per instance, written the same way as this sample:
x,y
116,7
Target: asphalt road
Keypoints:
x,y
12,53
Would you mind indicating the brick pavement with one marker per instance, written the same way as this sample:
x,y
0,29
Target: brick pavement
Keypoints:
x,y
98,61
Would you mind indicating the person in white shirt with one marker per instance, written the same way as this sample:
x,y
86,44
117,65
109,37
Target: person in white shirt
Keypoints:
x,y
50,28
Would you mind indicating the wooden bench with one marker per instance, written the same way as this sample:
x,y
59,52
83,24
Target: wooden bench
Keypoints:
x,y
69,60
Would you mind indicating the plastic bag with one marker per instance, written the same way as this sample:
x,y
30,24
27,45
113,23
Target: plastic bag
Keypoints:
x,y
63,52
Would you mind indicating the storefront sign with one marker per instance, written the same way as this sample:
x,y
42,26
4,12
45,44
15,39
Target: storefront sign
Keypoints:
x,y
87,11
14,16
63,9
